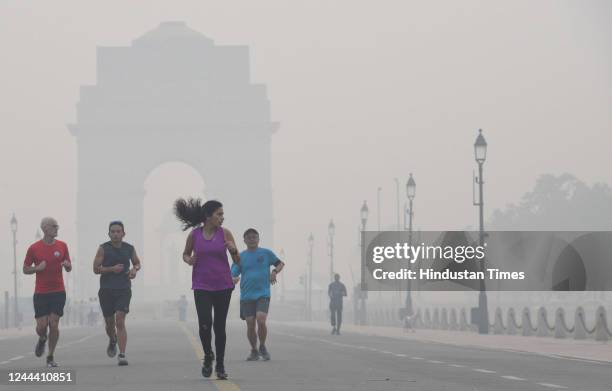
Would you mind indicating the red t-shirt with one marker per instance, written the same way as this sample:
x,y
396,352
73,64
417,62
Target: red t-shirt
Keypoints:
x,y
50,279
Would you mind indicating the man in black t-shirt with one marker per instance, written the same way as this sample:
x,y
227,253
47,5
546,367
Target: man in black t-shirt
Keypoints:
x,y
112,263
336,292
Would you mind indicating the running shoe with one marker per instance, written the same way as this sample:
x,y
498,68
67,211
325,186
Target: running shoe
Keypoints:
x,y
254,356
111,350
51,362
121,360
263,352
221,374
207,365
40,347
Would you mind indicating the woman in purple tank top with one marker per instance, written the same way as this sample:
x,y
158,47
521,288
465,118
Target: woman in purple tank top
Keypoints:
x,y
211,280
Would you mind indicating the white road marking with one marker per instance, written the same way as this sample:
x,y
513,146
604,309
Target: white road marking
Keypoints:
x,y
4,362
84,338
555,356
514,378
75,342
16,358
550,385
483,370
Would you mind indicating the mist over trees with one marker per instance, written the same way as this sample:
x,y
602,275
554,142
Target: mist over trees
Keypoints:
x,y
558,203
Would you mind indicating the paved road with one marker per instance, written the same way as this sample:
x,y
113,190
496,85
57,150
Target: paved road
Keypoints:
x,y
164,355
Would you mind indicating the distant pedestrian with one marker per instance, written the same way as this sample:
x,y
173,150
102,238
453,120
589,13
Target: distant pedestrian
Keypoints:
x,y
336,292
182,308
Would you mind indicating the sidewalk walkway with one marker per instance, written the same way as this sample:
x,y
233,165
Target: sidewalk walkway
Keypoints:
x,y
568,348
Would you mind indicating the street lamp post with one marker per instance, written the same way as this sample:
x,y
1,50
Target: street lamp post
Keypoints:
x,y
304,281
331,228
363,292
410,193
310,246
378,207
282,281
397,199
480,154
16,306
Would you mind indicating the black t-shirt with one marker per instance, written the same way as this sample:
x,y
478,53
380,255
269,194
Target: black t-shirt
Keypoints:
x,y
336,292
112,256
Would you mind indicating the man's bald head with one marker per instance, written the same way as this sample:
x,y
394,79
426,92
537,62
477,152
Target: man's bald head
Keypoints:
x,y
49,227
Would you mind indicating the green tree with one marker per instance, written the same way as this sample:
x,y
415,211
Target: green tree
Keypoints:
x,y
558,203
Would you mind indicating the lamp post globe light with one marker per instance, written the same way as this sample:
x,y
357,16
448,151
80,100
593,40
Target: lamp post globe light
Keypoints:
x,y
410,187
14,226
364,215
480,148
480,155
331,229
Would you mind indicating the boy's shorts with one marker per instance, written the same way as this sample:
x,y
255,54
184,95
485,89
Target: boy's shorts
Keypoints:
x,y
252,307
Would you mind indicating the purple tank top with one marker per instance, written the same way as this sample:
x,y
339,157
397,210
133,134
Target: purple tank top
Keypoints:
x,y
211,271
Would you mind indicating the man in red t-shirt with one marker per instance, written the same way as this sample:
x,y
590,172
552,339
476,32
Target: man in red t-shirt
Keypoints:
x,y
46,258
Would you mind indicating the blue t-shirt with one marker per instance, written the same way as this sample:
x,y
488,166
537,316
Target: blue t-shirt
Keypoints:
x,y
255,270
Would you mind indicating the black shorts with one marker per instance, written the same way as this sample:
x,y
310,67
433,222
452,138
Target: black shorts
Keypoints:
x,y
252,307
113,300
49,303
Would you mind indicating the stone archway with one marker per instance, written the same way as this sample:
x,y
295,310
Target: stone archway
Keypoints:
x,y
173,95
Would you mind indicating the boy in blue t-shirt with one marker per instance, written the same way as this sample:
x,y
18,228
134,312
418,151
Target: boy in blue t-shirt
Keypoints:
x,y
255,283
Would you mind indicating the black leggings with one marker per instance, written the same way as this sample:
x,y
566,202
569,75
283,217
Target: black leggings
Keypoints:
x,y
205,301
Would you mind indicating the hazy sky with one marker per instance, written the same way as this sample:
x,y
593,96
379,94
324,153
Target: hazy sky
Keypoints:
x,y
364,91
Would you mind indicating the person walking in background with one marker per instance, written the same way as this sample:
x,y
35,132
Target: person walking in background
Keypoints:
x,y
206,251
47,258
336,292
182,308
